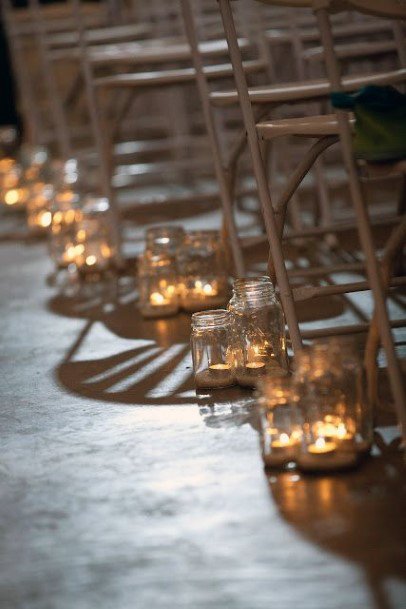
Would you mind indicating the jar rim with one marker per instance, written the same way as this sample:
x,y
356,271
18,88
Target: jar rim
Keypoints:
x,y
254,287
214,317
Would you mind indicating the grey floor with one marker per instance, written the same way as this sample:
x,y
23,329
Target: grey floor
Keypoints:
x,y
121,488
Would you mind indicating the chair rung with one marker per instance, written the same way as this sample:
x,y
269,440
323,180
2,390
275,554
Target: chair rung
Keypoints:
x,y
301,91
308,292
343,330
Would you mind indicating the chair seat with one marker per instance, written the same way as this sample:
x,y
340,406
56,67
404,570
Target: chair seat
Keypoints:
x,y
308,126
176,76
305,90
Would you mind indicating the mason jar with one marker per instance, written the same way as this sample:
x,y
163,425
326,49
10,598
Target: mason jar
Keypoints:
x,y
353,384
158,295
39,203
281,428
259,336
329,415
13,193
164,239
66,213
211,349
203,277
94,247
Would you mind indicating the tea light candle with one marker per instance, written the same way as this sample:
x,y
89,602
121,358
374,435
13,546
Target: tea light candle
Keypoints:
x,y
254,367
281,451
160,304
324,455
158,299
251,372
201,295
321,447
15,197
217,375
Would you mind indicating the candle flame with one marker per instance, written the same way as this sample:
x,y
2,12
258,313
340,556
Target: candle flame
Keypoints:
x,y
284,438
341,431
11,197
208,289
320,443
45,219
157,299
91,260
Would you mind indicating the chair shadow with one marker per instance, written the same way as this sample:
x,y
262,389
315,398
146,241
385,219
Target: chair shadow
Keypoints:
x,y
144,376
352,515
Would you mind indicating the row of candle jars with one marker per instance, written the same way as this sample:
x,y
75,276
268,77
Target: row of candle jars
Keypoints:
x,y
244,343
319,418
80,234
181,270
23,177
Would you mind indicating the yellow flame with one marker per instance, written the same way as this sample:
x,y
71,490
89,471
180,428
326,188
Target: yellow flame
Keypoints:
x,y
45,219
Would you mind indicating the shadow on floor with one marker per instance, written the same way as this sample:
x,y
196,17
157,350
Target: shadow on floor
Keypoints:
x,y
145,376
353,514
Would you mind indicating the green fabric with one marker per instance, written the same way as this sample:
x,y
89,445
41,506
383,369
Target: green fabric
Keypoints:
x,y
380,126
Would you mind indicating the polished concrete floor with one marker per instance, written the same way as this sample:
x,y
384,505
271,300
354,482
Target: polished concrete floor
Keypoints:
x,y
120,487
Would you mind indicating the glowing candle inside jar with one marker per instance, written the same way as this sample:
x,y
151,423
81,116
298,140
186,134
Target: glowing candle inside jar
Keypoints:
x,y
284,441
157,299
218,375
204,289
281,450
255,365
321,447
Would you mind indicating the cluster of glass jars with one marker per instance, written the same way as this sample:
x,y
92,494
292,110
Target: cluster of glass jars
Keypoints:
x,y
318,419
25,176
78,227
181,270
250,335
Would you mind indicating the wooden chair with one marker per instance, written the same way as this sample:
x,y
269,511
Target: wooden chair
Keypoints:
x,y
327,130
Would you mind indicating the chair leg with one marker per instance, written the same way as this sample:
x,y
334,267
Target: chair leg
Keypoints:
x,y
261,178
222,179
364,228
393,247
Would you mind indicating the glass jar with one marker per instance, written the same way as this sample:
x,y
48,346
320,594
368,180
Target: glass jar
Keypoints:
x,y
203,278
66,214
329,415
13,194
352,382
211,349
38,206
259,337
281,429
158,285
94,250
164,239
